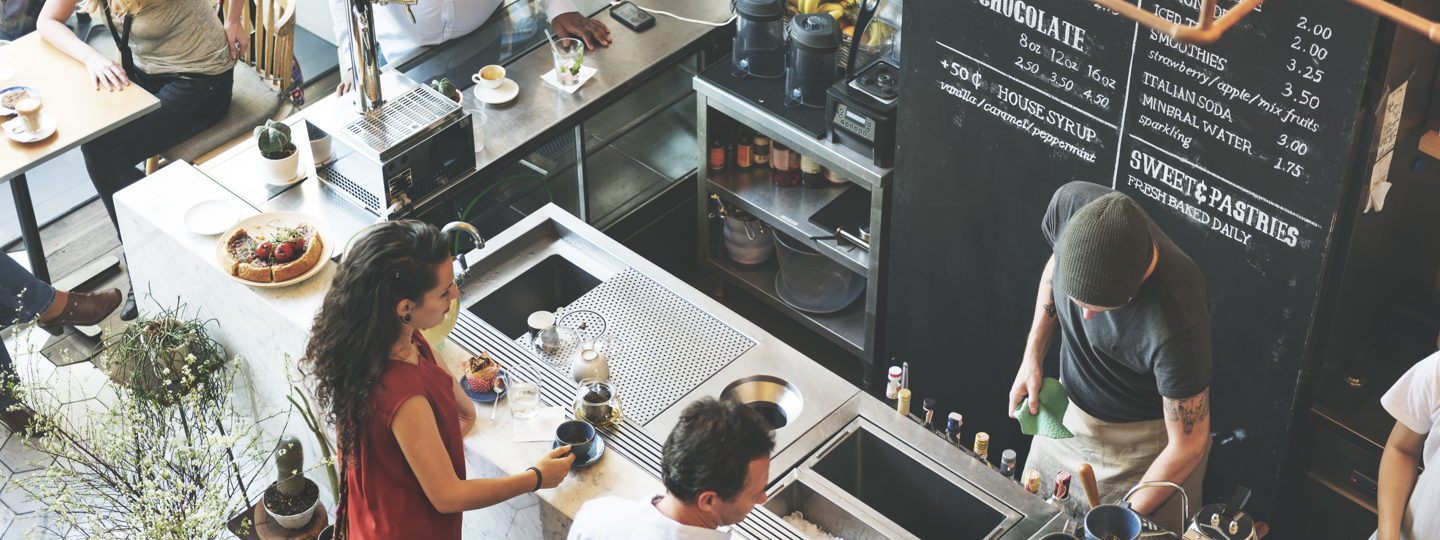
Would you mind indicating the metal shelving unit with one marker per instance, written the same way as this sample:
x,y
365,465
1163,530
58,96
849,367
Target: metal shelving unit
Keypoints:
x,y
855,328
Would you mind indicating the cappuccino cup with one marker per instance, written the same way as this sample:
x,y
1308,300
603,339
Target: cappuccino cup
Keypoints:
x,y
29,111
489,76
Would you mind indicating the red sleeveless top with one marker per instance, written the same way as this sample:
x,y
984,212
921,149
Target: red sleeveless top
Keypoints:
x,y
383,497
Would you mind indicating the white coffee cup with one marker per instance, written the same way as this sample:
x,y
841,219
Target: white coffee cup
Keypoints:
x,y
489,76
29,111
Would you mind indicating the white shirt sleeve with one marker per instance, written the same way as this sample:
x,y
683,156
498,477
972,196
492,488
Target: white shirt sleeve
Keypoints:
x,y
1415,401
340,18
558,7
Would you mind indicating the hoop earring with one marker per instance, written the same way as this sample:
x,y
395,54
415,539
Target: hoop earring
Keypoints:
x,y
406,318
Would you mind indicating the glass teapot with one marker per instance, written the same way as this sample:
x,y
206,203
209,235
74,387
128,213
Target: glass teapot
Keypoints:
x,y
597,402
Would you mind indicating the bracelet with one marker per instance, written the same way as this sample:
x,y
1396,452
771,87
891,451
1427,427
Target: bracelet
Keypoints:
x,y
539,478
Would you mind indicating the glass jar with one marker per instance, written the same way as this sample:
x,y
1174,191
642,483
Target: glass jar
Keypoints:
x,y
717,155
810,174
784,165
761,151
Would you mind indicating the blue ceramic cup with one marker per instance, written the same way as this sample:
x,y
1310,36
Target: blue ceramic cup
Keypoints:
x,y
579,435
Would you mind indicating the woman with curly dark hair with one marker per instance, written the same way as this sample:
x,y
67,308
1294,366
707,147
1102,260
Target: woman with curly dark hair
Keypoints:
x,y
399,416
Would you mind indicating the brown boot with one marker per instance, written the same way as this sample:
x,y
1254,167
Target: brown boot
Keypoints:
x,y
23,419
85,309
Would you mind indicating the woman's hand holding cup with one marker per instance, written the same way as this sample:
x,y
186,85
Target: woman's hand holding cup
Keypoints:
x,y
554,466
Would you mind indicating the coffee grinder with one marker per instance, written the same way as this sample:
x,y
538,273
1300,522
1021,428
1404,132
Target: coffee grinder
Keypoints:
x,y
861,107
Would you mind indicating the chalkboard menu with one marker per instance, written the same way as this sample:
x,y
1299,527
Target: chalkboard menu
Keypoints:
x,y
1236,149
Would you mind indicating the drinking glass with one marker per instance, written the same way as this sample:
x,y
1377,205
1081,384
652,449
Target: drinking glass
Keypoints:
x,y
569,55
477,124
524,399
7,60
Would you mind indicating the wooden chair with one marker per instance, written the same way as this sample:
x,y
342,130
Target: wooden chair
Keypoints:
x,y
262,83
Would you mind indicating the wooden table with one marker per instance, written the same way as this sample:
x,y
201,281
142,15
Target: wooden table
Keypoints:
x,y
82,112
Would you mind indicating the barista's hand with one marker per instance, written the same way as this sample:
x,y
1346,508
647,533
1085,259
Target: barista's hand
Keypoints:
x,y
554,466
573,25
1027,383
347,79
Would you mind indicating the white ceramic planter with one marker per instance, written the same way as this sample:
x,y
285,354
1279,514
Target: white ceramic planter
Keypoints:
x,y
296,521
280,171
320,148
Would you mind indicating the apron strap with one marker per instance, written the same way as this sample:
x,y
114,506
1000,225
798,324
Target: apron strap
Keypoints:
x,y
122,40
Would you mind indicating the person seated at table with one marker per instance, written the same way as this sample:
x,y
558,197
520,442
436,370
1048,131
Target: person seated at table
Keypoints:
x,y
399,416
175,49
438,21
23,298
715,465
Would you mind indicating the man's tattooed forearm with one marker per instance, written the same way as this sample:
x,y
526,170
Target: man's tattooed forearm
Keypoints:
x,y
1049,309
1189,411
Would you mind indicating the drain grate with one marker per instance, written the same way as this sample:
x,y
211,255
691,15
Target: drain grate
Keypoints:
x,y
400,118
668,346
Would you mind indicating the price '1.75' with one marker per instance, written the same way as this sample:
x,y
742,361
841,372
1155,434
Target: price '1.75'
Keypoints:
x,y
1282,164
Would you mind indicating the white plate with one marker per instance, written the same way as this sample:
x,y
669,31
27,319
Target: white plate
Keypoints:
x,y
15,129
267,224
211,217
500,94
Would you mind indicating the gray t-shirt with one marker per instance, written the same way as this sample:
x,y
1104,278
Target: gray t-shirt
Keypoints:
x,y
1117,365
179,36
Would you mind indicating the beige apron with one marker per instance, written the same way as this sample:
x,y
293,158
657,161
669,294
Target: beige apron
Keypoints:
x,y
1120,453
1418,524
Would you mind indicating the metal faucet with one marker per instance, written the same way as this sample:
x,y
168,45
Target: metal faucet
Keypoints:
x,y
479,244
364,52
1184,499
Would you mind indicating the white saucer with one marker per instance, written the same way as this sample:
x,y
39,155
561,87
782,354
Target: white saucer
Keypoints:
x,y
500,94
211,217
15,129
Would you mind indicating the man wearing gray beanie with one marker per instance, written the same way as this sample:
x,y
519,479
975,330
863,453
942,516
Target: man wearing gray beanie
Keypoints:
x,y
1133,313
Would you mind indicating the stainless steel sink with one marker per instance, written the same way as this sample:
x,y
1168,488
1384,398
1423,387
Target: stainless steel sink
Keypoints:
x,y
552,283
907,488
827,511
774,398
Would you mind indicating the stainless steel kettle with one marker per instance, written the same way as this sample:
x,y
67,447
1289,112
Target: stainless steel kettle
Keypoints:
x,y
1224,521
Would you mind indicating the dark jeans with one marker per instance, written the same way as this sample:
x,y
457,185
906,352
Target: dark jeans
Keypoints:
x,y
22,299
189,103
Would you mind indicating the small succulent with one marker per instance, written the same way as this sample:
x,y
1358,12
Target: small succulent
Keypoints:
x,y
446,88
290,465
272,137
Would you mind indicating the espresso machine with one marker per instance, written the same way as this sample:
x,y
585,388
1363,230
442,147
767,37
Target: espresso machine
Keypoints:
x,y
395,142
861,107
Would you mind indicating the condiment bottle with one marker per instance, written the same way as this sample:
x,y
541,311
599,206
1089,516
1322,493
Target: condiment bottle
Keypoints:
x,y
744,154
717,155
928,405
892,389
982,446
834,178
1061,495
810,174
1032,481
1007,464
784,166
761,151
903,406
952,427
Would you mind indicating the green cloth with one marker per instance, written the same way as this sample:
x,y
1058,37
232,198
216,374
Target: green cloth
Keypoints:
x,y
1050,422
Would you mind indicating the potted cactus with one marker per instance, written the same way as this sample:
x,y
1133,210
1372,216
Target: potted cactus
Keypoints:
x,y
447,89
292,499
280,156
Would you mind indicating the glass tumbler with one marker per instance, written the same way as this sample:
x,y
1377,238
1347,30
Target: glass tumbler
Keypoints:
x,y
524,399
477,124
569,57
7,60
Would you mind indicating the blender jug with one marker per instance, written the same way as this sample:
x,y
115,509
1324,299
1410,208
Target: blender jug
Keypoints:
x,y
759,39
810,66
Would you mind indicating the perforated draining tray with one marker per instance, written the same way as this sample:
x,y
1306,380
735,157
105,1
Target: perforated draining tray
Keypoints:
x,y
669,345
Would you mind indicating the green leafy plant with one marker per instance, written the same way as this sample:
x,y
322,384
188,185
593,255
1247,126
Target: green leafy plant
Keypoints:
x,y
317,427
274,140
161,357
446,88
167,469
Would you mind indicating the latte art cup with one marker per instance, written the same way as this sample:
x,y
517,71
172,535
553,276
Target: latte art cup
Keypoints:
x,y
489,76
29,111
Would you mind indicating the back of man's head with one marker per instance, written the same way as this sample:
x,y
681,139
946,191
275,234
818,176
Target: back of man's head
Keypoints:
x,y
711,448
